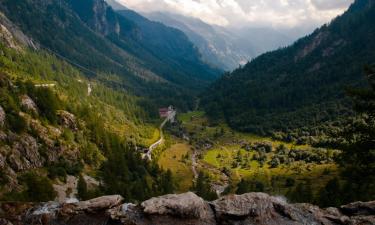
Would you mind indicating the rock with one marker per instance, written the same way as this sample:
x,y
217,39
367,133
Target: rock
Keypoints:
x,y
359,208
67,120
5,222
2,160
91,182
28,149
2,116
67,192
251,208
189,209
184,205
94,205
3,136
6,37
185,208
28,104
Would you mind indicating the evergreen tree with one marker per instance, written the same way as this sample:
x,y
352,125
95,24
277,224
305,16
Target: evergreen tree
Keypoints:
x,y
302,193
82,188
203,189
330,194
358,142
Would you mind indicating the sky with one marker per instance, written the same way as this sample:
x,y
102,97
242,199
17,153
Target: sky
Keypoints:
x,y
240,13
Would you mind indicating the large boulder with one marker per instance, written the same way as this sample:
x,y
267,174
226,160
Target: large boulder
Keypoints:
x,y
187,205
182,209
94,205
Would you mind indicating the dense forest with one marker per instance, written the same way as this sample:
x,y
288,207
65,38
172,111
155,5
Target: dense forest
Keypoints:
x,y
164,69
298,93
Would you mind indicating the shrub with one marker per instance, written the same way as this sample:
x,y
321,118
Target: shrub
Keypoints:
x,y
38,188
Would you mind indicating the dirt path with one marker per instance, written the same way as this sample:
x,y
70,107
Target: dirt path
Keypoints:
x,y
170,117
194,164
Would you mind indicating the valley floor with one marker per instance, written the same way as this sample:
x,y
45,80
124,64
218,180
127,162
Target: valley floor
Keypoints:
x,y
228,157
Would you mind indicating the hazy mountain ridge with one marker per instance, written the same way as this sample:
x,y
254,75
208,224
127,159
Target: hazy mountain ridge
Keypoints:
x,y
225,47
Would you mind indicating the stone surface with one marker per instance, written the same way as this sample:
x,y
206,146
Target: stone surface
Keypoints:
x,y
359,208
2,117
186,205
189,209
25,154
28,104
67,120
96,204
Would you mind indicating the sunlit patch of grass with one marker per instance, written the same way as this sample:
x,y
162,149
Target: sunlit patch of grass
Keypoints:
x,y
187,117
173,159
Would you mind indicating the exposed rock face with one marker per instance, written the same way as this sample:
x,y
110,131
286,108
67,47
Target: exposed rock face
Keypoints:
x,y
25,154
2,117
12,36
28,104
102,19
188,209
67,120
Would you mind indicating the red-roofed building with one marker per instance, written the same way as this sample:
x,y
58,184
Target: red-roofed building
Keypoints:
x,y
164,112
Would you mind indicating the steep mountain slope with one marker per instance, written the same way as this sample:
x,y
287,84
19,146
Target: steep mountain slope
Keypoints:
x,y
170,45
91,34
56,126
224,47
301,86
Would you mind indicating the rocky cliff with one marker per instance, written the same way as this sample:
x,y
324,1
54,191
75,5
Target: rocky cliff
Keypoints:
x,y
189,209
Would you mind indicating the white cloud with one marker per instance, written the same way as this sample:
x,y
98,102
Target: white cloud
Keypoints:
x,y
285,13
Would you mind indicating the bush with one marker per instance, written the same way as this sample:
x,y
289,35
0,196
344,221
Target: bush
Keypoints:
x,y
38,189
289,182
16,123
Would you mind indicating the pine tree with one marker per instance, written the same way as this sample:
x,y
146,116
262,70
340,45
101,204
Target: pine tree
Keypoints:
x,y
358,145
330,194
203,187
82,188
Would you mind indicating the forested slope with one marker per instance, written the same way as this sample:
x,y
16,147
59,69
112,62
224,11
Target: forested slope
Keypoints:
x,y
299,89
91,34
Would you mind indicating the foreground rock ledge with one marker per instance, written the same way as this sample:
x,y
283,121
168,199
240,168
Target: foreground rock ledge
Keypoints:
x,y
186,209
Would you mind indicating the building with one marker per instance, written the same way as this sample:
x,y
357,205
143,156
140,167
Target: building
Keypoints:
x,y
165,112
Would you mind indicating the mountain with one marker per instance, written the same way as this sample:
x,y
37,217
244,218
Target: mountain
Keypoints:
x,y
93,35
225,48
299,90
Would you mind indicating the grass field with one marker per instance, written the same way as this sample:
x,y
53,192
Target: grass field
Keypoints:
x,y
174,158
226,149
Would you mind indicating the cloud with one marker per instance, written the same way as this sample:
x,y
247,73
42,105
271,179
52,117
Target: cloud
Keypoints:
x,y
285,13
331,4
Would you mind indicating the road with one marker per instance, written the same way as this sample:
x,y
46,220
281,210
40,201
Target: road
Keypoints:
x,y
170,117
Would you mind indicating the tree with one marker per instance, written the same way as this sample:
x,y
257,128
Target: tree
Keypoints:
x,y
203,189
330,194
246,186
302,193
38,188
358,141
82,188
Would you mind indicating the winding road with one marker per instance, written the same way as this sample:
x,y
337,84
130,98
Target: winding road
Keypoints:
x,y
170,117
